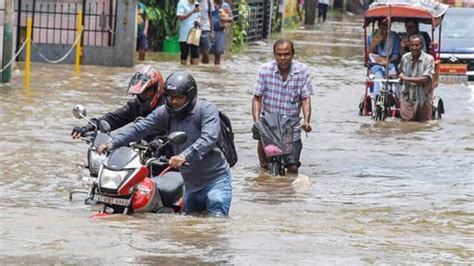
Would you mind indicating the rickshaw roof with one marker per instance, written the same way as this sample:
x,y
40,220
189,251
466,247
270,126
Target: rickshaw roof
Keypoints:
x,y
401,10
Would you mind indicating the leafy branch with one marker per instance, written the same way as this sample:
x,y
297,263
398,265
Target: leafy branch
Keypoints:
x,y
163,19
239,29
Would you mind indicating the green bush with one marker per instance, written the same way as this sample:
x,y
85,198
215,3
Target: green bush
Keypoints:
x,y
163,21
239,29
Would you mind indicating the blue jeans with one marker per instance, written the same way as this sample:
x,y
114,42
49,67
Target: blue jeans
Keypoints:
x,y
215,198
142,42
218,45
379,72
205,41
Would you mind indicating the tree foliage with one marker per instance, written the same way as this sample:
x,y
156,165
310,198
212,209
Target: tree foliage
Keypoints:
x,y
163,20
240,27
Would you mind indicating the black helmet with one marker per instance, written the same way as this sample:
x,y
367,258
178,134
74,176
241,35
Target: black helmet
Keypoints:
x,y
180,83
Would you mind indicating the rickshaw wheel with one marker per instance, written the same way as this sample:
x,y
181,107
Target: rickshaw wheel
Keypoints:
x,y
380,114
365,102
438,109
437,113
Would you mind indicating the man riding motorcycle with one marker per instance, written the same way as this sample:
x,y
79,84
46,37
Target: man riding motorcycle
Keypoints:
x,y
147,85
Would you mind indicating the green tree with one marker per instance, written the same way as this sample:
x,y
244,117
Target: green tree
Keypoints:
x,y
240,27
163,21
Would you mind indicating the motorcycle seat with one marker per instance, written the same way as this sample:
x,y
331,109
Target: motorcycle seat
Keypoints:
x,y
171,186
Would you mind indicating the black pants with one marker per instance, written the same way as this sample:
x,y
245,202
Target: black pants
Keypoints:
x,y
322,11
185,48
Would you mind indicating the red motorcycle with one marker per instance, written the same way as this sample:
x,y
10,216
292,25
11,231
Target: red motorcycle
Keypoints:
x,y
125,183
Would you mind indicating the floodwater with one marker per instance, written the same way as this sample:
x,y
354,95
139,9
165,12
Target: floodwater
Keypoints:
x,y
385,192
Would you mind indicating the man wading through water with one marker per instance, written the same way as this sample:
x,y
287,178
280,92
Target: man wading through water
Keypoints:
x,y
206,173
284,86
416,71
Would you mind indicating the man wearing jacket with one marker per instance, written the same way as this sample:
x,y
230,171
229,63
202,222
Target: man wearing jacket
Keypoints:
x,y
147,85
206,173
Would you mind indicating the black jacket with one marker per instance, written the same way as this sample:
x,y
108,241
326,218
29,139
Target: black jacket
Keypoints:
x,y
128,113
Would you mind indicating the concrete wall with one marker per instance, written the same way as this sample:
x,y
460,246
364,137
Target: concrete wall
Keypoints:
x,y
121,54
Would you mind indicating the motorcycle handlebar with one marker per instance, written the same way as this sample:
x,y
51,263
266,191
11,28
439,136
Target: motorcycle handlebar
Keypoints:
x,y
163,162
160,162
138,146
89,134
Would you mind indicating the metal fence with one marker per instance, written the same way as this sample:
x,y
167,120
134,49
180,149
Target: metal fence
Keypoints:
x,y
259,18
55,22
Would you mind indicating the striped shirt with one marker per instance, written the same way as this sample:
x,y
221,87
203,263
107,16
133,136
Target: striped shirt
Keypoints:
x,y
424,66
284,96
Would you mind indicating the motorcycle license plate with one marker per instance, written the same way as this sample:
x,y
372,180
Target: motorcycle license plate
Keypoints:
x,y
111,200
453,78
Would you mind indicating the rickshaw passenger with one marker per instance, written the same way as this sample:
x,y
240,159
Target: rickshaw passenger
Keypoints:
x,y
379,51
412,28
416,73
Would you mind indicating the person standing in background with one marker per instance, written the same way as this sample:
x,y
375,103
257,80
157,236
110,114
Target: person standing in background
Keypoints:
x,y
222,18
142,30
207,29
322,10
299,9
188,14
412,28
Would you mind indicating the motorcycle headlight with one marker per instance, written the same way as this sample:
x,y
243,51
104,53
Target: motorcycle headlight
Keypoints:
x,y
95,161
112,179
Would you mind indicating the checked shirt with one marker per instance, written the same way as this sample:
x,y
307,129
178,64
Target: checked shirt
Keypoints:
x,y
284,96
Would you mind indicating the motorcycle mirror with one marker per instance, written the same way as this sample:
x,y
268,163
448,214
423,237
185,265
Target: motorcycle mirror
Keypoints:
x,y
79,111
178,137
104,126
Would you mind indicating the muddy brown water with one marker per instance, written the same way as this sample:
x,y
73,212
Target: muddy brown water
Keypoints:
x,y
388,192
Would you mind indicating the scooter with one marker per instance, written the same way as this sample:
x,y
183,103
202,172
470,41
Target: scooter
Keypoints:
x,y
94,160
125,183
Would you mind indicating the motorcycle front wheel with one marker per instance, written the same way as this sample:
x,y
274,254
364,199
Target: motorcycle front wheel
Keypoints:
x,y
276,168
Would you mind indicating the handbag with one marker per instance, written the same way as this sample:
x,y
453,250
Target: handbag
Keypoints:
x,y
194,36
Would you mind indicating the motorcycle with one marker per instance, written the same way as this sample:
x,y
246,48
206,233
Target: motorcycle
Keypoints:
x,y
94,160
125,183
275,131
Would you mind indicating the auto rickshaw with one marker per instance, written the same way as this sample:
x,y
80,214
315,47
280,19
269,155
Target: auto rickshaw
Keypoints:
x,y
386,102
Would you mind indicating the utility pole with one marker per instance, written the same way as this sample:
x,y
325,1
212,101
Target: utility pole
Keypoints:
x,y
310,12
7,53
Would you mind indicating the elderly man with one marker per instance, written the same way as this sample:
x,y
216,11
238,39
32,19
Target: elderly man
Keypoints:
x,y
416,73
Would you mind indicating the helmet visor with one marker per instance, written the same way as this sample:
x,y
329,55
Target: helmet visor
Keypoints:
x,y
138,83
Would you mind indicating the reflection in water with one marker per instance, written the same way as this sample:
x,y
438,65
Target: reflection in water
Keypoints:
x,y
367,193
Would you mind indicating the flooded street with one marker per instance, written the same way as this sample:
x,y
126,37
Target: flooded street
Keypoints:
x,y
371,192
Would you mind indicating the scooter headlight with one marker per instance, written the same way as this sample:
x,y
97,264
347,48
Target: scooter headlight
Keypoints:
x,y
110,179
